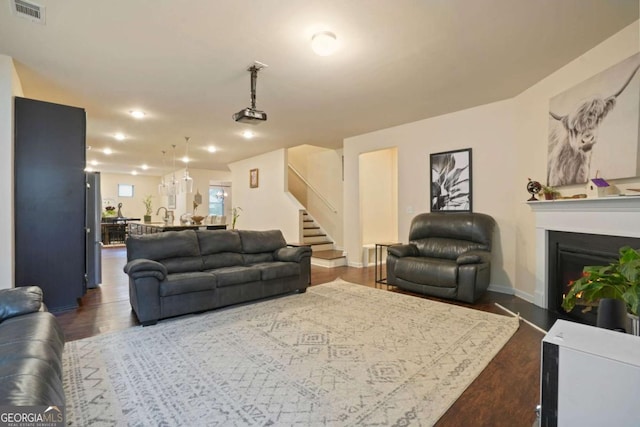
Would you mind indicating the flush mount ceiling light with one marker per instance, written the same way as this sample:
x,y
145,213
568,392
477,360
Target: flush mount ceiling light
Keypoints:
x,y
324,43
137,114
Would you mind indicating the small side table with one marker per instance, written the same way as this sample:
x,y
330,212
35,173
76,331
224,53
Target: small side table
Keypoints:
x,y
380,247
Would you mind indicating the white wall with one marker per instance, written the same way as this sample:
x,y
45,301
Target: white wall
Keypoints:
x,y
10,87
488,130
269,206
379,196
132,207
532,108
509,142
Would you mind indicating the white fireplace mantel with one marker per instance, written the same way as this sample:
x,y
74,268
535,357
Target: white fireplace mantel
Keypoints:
x,y
613,216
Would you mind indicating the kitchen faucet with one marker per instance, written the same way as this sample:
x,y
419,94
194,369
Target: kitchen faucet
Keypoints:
x,y
168,215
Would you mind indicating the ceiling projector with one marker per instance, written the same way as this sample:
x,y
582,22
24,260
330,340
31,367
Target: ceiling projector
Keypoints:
x,y
251,115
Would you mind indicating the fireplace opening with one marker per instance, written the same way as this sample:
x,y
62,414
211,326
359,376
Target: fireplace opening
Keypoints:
x,y
569,253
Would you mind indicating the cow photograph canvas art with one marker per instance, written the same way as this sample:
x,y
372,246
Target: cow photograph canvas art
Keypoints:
x,y
594,126
451,181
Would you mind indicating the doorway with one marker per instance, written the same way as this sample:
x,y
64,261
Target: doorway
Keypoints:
x,y
378,177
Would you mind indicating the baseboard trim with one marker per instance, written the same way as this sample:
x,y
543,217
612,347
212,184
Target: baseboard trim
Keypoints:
x,y
502,289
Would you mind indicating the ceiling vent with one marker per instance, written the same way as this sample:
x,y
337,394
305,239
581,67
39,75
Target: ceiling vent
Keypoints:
x,y
28,10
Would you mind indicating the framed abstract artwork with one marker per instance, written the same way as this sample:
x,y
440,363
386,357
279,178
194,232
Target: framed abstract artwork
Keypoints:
x,y
451,181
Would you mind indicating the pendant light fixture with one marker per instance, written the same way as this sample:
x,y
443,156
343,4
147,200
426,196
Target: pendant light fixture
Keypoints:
x,y
162,187
172,186
186,184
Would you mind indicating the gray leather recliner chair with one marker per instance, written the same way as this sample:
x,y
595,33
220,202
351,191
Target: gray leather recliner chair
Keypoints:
x,y
448,256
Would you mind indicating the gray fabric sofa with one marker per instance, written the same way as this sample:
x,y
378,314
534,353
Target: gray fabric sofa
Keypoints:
x,y
31,345
448,256
180,272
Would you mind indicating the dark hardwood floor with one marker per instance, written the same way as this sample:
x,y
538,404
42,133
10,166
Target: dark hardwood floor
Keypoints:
x,y
505,393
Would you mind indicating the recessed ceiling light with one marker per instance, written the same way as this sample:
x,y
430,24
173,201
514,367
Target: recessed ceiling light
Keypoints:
x,y
144,167
137,114
134,172
248,134
119,136
88,169
324,43
211,149
94,162
107,151
185,159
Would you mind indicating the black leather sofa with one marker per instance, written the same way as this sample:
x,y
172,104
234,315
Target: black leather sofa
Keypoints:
x,y
180,272
31,345
448,256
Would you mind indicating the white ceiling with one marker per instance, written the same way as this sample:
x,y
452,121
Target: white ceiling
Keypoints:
x,y
184,64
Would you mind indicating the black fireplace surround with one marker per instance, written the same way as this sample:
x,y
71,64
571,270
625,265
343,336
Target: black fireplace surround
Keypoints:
x,y
569,253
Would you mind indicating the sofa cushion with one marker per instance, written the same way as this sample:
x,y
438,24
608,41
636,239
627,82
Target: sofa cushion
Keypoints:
x,y
250,259
216,241
36,335
182,283
427,271
254,242
442,247
30,381
159,246
18,301
30,360
182,264
277,269
229,276
223,259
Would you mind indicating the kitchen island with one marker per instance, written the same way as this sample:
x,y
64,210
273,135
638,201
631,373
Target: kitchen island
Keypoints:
x,y
138,228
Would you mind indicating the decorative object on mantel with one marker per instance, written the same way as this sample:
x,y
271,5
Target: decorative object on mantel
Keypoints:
x,y
533,187
550,193
575,196
618,280
597,187
606,105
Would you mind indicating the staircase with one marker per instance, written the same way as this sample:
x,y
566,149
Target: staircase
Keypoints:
x,y
324,253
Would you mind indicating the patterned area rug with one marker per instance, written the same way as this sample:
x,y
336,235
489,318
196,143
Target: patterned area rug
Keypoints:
x,y
338,355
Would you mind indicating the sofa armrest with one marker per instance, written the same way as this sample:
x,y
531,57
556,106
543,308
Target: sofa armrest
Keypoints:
x,y
18,301
292,254
145,268
474,257
403,250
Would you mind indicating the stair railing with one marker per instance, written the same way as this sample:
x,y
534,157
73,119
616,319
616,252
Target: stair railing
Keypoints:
x,y
312,188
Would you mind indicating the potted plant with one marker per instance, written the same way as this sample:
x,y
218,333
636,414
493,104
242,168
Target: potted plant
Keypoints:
x,y
149,208
549,192
618,280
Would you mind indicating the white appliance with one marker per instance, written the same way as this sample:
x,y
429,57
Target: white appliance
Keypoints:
x,y
590,377
93,228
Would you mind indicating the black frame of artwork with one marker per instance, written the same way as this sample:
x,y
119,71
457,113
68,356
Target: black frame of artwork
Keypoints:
x,y
444,175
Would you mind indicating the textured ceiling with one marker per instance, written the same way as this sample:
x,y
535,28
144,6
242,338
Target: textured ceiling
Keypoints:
x,y
184,64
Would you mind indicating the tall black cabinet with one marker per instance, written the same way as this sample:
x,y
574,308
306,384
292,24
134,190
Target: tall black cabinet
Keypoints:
x,y
49,208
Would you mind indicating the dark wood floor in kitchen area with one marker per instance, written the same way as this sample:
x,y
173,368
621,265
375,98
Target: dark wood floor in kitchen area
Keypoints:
x,y
505,393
